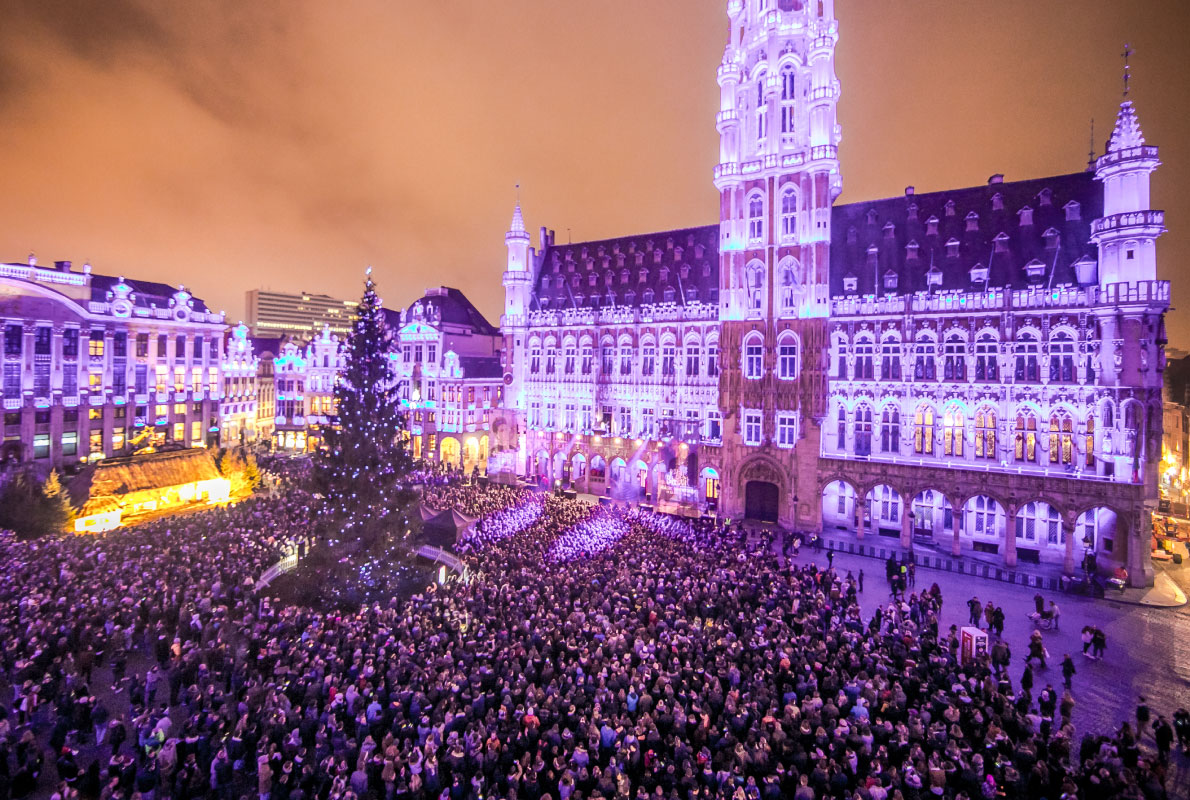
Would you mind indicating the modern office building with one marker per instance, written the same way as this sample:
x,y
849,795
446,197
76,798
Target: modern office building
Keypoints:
x,y
301,316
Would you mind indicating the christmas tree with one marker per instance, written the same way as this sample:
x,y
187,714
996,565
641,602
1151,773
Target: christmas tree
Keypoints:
x,y
366,455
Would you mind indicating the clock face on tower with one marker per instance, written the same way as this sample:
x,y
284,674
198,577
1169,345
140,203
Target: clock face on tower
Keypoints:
x,y
508,379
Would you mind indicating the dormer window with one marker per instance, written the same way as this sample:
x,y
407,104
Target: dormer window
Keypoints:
x,y
699,250
911,251
668,294
949,208
629,297
678,253
890,281
685,271
647,296
934,276
623,276
1046,196
871,216
912,212
1035,269
890,230
1051,238
1026,216
706,270
657,256
850,283
979,274
669,243
639,258
852,235
1001,242
584,255
591,281
997,202
1074,211
642,276
932,226
952,248
664,275
619,257
972,221
608,278
692,295
872,253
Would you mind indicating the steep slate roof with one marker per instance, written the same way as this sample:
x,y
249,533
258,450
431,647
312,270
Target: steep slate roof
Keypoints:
x,y
266,344
563,280
481,366
144,293
454,307
856,227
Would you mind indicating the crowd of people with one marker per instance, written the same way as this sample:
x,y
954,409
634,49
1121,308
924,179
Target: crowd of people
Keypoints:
x,y
595,653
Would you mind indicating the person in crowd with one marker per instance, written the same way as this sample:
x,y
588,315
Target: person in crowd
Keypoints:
x,y
594,652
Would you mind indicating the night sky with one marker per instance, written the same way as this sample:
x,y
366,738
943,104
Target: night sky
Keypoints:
x,y
237,145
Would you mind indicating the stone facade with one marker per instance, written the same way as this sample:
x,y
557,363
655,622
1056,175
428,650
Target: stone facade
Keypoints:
x,y
95,366
972,370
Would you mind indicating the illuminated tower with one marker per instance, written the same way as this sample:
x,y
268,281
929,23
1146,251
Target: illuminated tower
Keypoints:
x,y
1130,308
777,178
518,286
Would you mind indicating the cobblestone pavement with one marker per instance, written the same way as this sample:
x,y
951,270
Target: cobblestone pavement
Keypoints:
x,y
1148,649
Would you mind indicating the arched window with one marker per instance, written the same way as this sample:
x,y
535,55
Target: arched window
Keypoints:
x,y
890,430
1039,522
985,434
789,214
787,357
986,364
755,218
1061,438
788,97
1089,442
713,359
692,355
791,285
890,358
753,357
864,357
1026,436
669,355
1061,358
588,358
841,429
982,516
953,431
841,357
1026,358
570,356
762,118
648,359
535,360
863,430
954,366
626,351
754,279
923,431
607,357
923,363
551,358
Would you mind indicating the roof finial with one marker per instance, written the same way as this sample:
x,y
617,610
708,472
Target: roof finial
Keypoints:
x,y
1128,51
1091,153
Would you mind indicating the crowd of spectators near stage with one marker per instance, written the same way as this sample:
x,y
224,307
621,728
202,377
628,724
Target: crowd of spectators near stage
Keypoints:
x,y
595,653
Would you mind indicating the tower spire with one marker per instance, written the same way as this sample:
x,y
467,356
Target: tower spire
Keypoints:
x,y
1128,51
